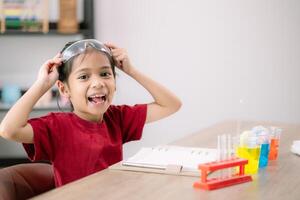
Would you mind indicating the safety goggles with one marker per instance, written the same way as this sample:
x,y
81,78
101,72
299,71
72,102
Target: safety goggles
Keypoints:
x,y
81,46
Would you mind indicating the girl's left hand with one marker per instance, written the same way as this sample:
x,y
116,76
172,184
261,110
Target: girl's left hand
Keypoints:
x,y
121,57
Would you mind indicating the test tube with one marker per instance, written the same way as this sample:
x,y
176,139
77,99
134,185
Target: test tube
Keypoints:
x,y
229,154
219,148
223,153
224,145
219,153
235,144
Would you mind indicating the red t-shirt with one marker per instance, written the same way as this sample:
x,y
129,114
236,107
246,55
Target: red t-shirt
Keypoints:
x,y
77,148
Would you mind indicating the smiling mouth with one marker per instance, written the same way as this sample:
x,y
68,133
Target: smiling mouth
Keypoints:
x,y
97,99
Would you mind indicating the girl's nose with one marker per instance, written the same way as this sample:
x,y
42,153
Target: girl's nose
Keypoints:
x,y
97,82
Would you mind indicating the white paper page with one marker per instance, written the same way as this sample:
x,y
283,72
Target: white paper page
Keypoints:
x,y
161,156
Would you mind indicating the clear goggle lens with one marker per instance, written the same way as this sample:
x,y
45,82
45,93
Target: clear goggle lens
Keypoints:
x,y
80,46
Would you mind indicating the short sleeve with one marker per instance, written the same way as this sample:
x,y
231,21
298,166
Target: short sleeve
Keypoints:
x,y
133,119
42,147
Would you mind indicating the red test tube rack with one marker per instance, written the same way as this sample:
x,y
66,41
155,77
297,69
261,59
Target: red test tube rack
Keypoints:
x,y
216,183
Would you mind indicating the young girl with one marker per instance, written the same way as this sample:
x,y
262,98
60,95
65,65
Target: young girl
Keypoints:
x,y
89,138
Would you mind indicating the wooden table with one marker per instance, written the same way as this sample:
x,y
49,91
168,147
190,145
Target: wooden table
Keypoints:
x,y
280,180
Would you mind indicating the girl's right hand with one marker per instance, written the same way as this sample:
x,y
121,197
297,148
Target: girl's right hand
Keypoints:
x,y
48,73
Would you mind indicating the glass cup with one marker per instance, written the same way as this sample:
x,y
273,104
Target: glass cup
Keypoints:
x,y
274,142
250,150
263,140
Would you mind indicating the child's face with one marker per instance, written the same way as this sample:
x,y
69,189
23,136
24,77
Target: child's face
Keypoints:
x,y
91,85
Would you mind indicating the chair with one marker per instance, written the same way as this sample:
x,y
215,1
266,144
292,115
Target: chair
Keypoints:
x,y
23,181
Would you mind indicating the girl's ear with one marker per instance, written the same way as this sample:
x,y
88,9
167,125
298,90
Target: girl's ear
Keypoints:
x,y
63,89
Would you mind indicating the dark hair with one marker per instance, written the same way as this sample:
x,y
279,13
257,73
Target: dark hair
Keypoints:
x,y
65,69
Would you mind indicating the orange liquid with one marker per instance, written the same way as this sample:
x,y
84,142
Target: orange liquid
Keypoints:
x,y
273,154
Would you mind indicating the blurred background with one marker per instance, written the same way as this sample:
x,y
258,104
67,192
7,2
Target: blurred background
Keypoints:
x,y
225,59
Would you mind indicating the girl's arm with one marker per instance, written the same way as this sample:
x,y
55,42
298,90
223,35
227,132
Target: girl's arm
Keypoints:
x,y
165,102
14,126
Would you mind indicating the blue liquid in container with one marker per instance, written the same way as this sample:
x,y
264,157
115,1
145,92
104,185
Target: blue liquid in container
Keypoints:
x,y
264,153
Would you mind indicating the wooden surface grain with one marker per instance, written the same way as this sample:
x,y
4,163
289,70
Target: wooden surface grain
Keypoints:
x,y
279,180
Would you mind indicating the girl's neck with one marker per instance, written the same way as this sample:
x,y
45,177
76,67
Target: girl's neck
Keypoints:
x,y
88,117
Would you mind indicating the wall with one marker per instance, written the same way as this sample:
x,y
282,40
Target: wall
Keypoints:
x,y
224,59
20,58
22,55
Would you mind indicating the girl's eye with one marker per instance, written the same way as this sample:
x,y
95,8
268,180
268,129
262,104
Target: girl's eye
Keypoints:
x,y
83,77
105,74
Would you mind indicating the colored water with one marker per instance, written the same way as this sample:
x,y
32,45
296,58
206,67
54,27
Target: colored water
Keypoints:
x,y
264,153
273,149
252,155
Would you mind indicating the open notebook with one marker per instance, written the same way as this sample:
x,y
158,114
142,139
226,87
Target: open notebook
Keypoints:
x,y
158,159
